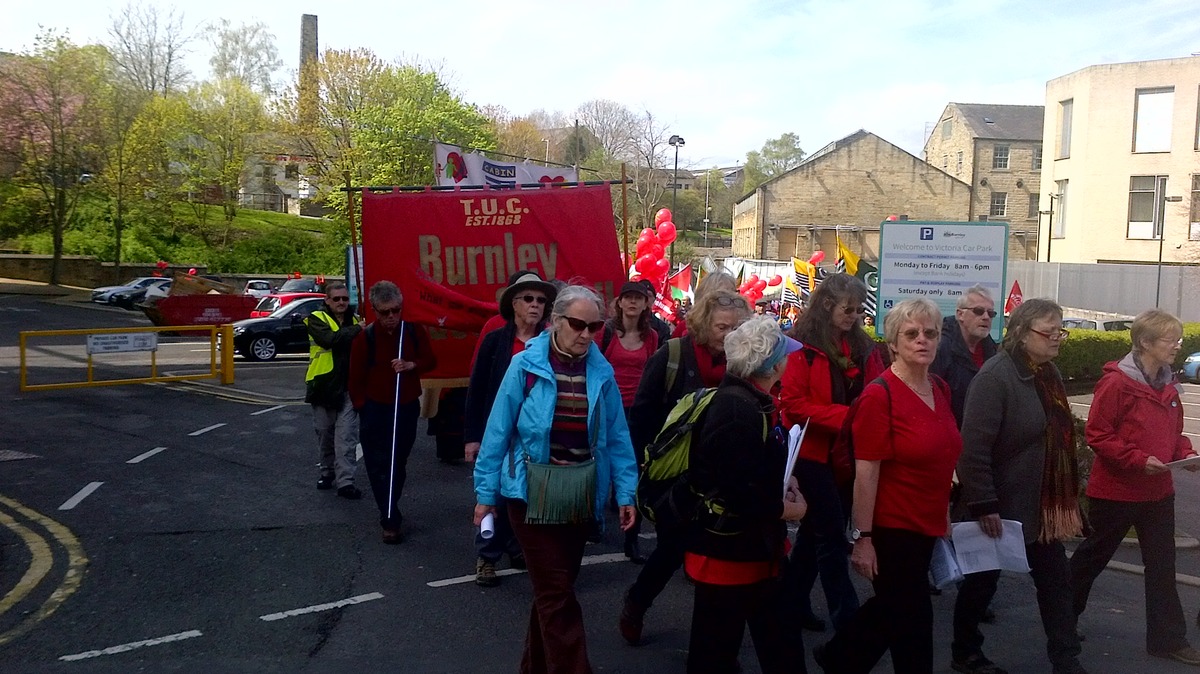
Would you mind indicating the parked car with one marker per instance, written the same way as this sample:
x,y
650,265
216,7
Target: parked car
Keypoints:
x,y
103,294
281,332
258,288
1191,368
1115,325
271,303
300,285
129,298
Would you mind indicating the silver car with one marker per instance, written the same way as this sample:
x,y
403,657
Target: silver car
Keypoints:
x,y
104,294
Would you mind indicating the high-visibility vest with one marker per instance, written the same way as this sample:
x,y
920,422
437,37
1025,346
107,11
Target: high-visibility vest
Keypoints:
x,y
320,360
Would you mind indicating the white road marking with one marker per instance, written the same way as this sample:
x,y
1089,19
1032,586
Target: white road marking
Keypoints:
x,y
137,644
587,561
206,429
142,457
322,607
77,498
269,409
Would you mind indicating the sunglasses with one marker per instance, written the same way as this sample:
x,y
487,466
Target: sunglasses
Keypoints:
x,y
530,299
388,312
979,311
854,310
723,301
913,333
579,325
1053,336
339,299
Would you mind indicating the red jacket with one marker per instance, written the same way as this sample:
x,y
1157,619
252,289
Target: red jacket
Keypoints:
x,y
806,393
376,381
1128,423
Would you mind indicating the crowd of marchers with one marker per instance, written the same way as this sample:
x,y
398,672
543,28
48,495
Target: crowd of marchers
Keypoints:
x,y
937,424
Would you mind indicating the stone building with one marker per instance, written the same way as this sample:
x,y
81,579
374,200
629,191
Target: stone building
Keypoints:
x,y
845,189
997,150
1123,143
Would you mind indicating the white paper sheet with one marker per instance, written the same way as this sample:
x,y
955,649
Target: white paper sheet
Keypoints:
x,y
1183,463
976,551
795,437
487,527
943,566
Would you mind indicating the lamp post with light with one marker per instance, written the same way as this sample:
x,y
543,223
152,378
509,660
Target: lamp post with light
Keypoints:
x,y
675,142
547,142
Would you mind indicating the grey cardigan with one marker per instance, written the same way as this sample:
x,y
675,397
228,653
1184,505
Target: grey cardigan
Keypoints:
x,y
1004,451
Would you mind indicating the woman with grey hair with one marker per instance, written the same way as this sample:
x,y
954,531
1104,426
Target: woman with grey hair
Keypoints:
x,y
905,446
1019,464
555,445
735,553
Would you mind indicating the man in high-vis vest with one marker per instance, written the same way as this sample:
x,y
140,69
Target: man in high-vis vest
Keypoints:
x,y
331,330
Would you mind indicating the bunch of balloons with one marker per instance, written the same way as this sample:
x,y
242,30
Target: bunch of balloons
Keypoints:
x,y
651,262
752,288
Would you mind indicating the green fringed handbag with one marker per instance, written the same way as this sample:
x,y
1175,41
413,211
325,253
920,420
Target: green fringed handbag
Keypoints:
x,y
560,494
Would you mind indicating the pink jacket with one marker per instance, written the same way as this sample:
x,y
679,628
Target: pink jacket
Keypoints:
x,y
1129,422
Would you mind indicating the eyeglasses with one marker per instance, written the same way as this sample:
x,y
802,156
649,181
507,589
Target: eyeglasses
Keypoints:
x,y
339,299
389,312
579,325
913,333
723,301
1053,336
854,310
530,299
1172,342
979,311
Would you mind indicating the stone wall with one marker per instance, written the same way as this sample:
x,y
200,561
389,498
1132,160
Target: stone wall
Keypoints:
x,y
87,272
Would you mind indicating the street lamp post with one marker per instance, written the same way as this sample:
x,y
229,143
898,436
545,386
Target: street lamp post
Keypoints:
x,y
707,178
547,142
675,142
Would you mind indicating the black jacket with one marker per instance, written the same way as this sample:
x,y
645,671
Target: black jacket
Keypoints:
x,y
953,363
652,402
328,390
495,354
731,458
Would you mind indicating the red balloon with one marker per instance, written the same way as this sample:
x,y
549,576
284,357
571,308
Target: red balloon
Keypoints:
x,y
635,277
662,266
644,264
753,279
816,258
666,232
643,247
759,285
656,251
892,218
663,215
192,271
775,280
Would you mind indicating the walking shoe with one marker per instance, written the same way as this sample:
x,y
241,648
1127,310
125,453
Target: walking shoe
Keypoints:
x,y
976,664
485,573
517,561
1187,655
631,623
391,536
325,483
350,491
633,552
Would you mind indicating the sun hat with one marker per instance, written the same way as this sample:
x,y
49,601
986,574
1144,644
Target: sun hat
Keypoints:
x,y
525,280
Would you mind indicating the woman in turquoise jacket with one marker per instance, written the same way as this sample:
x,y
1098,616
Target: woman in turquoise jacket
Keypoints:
x,y
556,444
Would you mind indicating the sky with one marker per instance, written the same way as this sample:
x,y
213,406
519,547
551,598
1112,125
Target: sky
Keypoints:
x,y
727,75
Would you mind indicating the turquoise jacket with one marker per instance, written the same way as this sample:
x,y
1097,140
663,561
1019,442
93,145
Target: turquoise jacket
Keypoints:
x,y
519,425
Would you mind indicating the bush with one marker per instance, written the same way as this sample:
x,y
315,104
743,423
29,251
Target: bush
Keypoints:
x,y
1084,354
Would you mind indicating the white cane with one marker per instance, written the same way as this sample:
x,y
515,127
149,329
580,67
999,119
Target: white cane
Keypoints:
x,y
395,423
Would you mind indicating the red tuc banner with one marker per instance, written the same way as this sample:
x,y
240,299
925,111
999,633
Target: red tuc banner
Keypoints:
x,y
451,252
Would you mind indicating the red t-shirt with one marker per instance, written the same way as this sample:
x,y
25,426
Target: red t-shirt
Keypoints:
x,y
628,366
977,355
918,451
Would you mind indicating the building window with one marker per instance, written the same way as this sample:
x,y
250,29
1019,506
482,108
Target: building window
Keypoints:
x,y
1037,158
947,129
1065,109
1060,222
1194,231
291,171
1034,205
958,164
1000,157
1152,119
1147,202
945,162
999,205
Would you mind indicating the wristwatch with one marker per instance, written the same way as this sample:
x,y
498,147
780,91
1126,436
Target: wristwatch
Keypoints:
x,y
856,534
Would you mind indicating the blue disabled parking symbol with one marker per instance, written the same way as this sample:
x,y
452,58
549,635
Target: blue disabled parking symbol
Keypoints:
x,y
888,304
927,234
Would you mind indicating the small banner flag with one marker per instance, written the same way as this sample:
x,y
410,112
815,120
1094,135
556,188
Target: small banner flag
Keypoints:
x,y
1014,298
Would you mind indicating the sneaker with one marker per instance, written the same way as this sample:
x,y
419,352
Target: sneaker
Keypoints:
x,y
1187,655
325,482
976,663
391,536
350,492
485,573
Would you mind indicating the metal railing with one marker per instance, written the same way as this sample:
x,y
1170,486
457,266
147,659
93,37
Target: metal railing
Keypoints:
x,y
141,339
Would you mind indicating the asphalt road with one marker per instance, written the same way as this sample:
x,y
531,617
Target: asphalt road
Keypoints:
x,y
217,553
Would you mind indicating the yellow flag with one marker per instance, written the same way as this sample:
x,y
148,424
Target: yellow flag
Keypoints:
x,y
848,258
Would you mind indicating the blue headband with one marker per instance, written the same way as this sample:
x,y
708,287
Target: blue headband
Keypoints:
x,y
777,354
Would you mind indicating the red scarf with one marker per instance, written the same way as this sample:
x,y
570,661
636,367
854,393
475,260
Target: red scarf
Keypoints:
x,y
851,368
712,368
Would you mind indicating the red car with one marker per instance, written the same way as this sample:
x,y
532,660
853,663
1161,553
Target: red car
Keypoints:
x,y
269,304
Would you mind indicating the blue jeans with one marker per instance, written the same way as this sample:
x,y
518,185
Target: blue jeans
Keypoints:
x,y
821,546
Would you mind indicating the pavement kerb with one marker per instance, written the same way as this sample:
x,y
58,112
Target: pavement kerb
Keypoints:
x,y
235,394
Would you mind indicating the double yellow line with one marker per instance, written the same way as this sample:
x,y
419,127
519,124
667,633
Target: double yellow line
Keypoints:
x,y
39,533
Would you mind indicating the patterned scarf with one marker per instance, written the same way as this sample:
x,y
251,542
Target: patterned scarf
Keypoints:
x,y
1060,477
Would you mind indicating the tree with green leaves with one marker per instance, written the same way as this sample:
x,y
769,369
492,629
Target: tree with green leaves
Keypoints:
x,y
777,156
246,53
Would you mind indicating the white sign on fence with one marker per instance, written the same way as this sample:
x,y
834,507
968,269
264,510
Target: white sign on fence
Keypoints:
x,y
940,261
122,342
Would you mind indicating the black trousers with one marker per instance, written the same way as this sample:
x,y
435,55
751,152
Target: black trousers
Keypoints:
x,y
1166,628
898,618
659,567
821,547
720,616
1052,578
375,434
